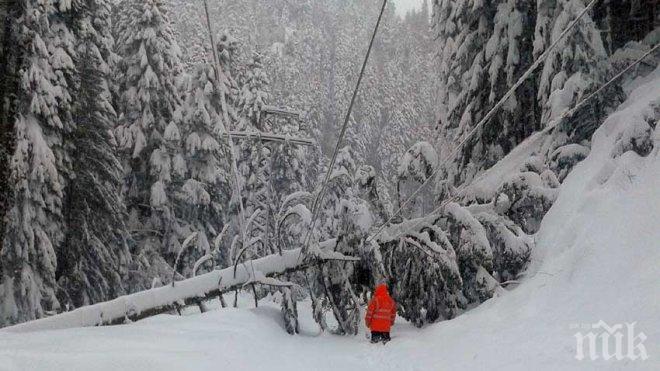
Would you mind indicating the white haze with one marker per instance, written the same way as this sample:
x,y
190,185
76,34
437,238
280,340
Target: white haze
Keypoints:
x,y
402,6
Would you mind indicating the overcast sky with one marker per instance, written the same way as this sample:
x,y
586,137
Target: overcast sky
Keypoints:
x,y
403,6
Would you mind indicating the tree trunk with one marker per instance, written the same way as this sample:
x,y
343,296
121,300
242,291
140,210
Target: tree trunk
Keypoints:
x,y
175,297
256,298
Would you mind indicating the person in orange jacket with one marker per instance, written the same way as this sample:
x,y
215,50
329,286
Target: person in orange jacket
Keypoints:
x,y
380,315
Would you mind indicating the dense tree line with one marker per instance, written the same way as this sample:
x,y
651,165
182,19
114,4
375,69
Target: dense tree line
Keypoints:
x,y
485,46
113,153
324,42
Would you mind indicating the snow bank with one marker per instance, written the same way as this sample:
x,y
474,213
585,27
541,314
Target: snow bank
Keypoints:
x,y
596,259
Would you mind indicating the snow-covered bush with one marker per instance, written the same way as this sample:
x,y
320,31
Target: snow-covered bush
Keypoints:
x,y
422,270
637,137
530,199
416,167
564,159
511,246
472,248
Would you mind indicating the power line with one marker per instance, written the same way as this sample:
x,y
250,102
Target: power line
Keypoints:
x,y
557,122
572,111
490,113
318,201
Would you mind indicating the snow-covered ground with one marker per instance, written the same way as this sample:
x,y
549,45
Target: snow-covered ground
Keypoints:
x,y
597,258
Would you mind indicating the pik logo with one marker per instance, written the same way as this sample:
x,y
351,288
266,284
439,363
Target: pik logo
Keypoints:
x,y
607,342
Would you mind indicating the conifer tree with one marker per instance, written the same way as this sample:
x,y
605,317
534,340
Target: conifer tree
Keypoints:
x,y
577,67
486,47
255,157
253,94
147,74
9,54
205,165
39,164
94,258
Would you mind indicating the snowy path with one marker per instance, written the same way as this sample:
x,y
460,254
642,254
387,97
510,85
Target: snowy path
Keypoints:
x,y
491,337
232,339
251,339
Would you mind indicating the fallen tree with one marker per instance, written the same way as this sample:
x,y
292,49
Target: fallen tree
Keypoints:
x,y
193,291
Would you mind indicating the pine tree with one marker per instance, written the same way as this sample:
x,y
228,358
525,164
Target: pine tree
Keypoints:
x,y
147,74
93,261
229,94
190,29
9,80
39,163
204,165
255,157
509,51
486,48
417,166
577,67
421,268
339,188
270,171
253,94
463,28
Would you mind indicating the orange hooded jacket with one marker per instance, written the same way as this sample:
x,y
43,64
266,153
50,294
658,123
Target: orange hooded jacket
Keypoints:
x,y
381,311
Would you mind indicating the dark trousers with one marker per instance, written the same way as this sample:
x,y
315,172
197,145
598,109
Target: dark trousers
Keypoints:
x,y
377,337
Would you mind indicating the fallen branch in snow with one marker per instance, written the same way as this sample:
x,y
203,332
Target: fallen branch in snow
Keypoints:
x,y
180,294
